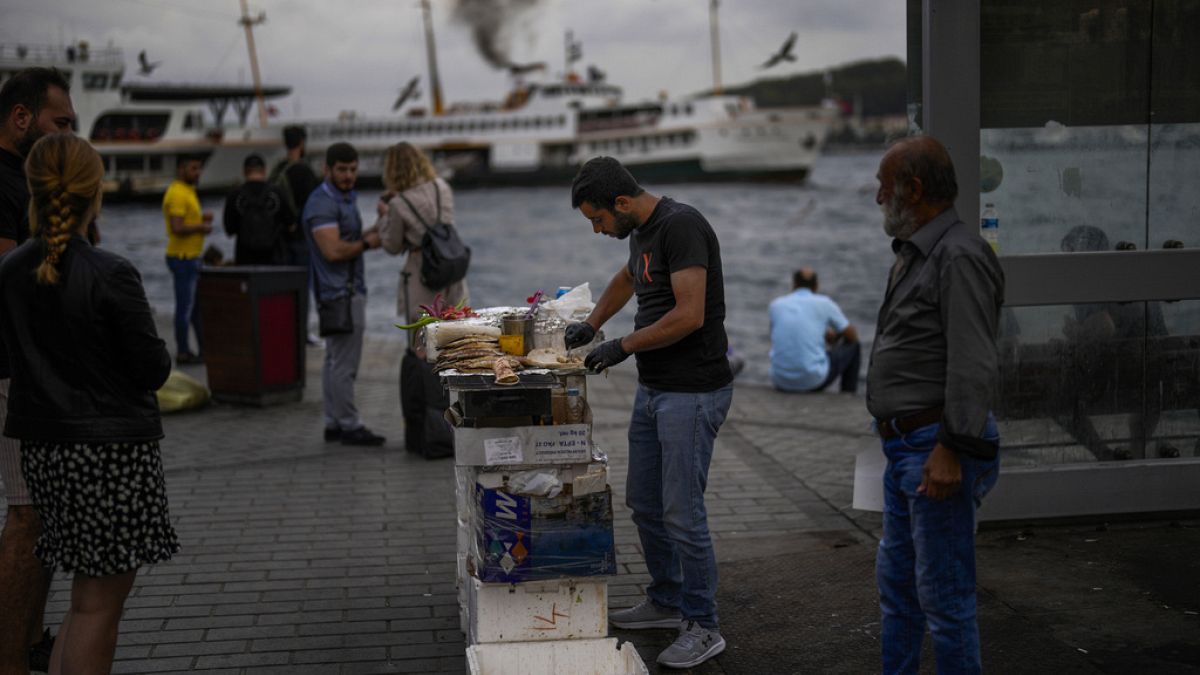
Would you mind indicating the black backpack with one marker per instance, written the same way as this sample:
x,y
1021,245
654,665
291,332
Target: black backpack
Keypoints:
x,y
444,256
260,230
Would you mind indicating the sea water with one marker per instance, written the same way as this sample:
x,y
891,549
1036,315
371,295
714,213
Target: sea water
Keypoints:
x,y
526,239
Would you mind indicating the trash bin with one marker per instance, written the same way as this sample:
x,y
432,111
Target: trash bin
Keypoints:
x,y
254,322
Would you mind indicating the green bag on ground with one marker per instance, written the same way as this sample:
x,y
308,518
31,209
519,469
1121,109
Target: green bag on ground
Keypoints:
x,y
181,392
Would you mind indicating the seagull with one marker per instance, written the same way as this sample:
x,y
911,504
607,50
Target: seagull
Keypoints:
x,y
409,91
784,53
145,66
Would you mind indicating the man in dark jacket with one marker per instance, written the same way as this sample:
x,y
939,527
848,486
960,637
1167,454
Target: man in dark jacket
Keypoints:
x,y
259,215
34,102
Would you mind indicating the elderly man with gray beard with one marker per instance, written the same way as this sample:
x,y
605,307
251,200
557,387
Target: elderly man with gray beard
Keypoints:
x,y
929,387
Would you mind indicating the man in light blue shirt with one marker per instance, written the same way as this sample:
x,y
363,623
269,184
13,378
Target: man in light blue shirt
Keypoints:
x,y
812,342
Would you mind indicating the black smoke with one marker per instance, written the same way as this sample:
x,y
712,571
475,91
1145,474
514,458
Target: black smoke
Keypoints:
x,y
491,23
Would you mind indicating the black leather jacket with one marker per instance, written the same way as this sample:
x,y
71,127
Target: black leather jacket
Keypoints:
x,y
85,356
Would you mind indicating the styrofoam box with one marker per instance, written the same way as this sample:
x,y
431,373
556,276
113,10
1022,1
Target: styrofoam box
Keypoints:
x,y
578,657
559,609
499,446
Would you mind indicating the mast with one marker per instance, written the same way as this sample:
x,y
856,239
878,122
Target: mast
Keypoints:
x,y
716,46
248,24
435,83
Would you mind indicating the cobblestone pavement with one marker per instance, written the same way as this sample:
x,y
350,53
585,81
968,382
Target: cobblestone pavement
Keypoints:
x,y
301,556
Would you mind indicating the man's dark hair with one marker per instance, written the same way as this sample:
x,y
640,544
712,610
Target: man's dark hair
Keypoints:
x,y
293,136
804,278
253,162
29,88
340,152
926,158
600,181
180,160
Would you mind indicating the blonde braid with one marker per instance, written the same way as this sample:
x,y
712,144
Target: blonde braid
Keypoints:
x,y
65,175
62,219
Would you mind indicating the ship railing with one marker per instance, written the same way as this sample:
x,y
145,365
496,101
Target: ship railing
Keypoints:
x,y
58,54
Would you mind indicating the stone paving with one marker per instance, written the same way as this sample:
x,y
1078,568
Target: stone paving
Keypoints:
x,y
301,556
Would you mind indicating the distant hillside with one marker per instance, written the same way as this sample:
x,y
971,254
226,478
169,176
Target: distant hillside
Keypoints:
x,y
881,84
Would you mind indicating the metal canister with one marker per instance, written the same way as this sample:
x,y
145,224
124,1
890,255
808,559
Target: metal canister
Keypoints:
x,y
516,334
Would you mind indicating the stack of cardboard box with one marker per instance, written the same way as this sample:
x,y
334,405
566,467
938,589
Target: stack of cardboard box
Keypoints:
x,y
535,530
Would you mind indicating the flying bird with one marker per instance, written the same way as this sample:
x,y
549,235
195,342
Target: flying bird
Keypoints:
x,y
145,67
784,53
410,90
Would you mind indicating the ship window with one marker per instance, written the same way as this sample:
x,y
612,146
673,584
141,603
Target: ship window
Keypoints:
x,y
106,160
644,144
687,109
761,131
129,127
155,163
130,162
116,80
95,80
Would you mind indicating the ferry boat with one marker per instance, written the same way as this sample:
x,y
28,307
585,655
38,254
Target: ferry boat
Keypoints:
x,y
140,129
543,132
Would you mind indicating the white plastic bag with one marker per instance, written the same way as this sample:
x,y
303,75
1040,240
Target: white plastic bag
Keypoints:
x,y
576,301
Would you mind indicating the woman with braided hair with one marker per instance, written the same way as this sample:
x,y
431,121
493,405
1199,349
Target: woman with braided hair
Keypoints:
x,y
86,361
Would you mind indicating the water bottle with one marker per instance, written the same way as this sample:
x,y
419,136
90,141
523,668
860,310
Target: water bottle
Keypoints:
x,y
574,406
989,226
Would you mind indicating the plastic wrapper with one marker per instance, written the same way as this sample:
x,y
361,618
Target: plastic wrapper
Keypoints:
x,y
534,523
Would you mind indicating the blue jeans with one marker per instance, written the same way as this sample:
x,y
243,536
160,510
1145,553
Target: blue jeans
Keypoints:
x,y
186,272
671,436
926,562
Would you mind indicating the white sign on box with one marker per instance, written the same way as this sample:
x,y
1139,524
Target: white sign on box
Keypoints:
x,y
503,450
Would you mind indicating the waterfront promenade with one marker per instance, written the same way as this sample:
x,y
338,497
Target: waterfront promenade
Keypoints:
x,y
301,556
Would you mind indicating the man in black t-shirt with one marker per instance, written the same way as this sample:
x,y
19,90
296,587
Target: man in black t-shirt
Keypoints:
x,y
259,215
33,103
684,392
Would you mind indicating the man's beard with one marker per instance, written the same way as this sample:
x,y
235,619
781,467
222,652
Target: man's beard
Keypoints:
x,y
25,144
898,219
626,223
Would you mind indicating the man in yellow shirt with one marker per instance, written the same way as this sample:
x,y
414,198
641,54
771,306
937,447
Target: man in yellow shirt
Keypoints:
x,y
186,227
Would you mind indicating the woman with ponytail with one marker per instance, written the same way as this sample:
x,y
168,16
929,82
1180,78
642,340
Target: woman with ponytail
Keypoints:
x,y
86,361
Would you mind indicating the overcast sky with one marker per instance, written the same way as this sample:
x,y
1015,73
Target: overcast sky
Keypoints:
x,y
356,54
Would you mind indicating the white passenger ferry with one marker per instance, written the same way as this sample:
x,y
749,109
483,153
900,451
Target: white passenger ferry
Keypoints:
x,y
140,128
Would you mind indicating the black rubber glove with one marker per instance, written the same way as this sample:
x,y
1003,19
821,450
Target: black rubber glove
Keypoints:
x,y
579,334
607,355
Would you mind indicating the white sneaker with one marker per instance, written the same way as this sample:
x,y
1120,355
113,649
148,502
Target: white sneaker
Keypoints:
x,y
645,615
695,645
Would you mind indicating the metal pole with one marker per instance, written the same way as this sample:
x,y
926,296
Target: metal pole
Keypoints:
x,y
435,83
247,23
404,276
716,47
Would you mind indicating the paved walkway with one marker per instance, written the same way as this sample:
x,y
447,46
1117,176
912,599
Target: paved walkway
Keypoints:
x,y
306,557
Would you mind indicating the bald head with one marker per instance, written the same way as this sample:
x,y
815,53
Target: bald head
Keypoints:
x,y
805,277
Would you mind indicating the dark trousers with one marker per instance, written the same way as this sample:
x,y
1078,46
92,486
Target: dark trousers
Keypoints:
x,y
844,361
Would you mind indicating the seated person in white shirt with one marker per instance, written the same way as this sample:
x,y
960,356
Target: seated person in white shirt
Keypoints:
x,y
812,342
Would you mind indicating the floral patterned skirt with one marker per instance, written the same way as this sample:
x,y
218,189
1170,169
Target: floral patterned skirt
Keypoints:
x,y
103,505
